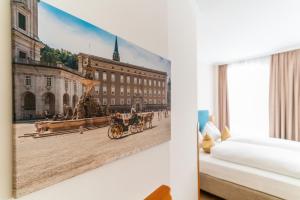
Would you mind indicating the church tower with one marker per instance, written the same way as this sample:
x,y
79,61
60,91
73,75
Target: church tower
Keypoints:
x,y
26,44
116,55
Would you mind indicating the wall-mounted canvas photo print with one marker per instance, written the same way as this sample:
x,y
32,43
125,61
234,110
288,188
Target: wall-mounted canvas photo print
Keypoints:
x,y
82,97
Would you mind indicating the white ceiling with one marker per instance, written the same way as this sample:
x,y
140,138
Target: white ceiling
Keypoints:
x,y
233,30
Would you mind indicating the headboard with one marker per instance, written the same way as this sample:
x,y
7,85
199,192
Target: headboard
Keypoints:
x,y
203,118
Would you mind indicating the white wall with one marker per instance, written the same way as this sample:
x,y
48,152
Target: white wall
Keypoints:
x,y
183,53
234,30
166,27
140,21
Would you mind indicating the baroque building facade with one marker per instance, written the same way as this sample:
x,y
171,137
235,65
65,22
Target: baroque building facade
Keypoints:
x,y
43,88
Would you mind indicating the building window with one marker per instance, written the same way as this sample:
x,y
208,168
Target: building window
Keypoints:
x,y
163,92
158,83
96,75
49,81
150,82
150,101
104,89
154,93
145,81
140,91
113,90
66,85
121,101
145,92
122,78
159,101
122,90
150,93
113,77
164,102
154,83
104,76
28,80
97,88
135,80
104,101
163,84
140,81
75,86
22,55
154,101
145,101
158,92
128,101
112,101
22,21
128,91
128,79
135,91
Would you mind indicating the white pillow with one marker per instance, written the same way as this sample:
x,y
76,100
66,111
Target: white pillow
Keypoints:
x,y
212,130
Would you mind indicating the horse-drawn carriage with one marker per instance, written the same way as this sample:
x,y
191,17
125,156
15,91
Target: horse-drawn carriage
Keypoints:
x,y
120,127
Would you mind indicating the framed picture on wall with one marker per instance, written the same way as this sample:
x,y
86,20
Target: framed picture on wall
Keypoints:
x,y
82,96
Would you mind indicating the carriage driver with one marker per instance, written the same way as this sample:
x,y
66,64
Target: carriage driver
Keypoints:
x,y
134,119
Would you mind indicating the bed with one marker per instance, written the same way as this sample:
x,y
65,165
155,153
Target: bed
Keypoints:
x,y
250,169
228,175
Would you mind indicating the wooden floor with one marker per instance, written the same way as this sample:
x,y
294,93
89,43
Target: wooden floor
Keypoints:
x,y
207,196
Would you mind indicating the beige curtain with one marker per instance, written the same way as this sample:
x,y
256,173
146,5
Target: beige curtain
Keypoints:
x,y
223,97
285,95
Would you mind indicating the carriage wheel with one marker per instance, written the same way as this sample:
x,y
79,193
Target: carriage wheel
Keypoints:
x,y
115,132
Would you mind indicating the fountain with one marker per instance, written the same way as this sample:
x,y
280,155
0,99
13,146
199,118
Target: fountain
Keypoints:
x,y
87,114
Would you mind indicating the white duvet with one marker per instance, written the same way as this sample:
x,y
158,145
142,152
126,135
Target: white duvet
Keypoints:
x,y
269,158
272,142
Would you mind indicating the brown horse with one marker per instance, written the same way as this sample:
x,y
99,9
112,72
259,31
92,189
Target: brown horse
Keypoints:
x,y
147,119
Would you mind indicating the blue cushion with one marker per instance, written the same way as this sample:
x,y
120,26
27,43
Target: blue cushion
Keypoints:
x,y
203,118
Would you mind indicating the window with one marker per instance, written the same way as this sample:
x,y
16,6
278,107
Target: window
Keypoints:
x,y
150,101
128,91
113,90
140,81
150,93
140,91
112,101
66,85
159,101
104,101
135,80
22,21
22,55
135,91
145,101
154,101
104,89
28,80
122,90
158,93
154,83
113,77
154,92
145,81
104,76
75,86
248,93
158,83
121,101
96,75
48,81
163,84
122,78
97,88
145,92
150,82
128,79
128,101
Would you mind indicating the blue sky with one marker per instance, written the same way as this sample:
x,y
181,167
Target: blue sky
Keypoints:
x,y
61,30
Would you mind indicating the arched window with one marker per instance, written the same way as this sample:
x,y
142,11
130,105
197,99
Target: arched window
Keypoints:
x,y
29,101
66,99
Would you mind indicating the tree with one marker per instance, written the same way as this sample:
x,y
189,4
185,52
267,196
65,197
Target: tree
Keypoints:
x,y
53,56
